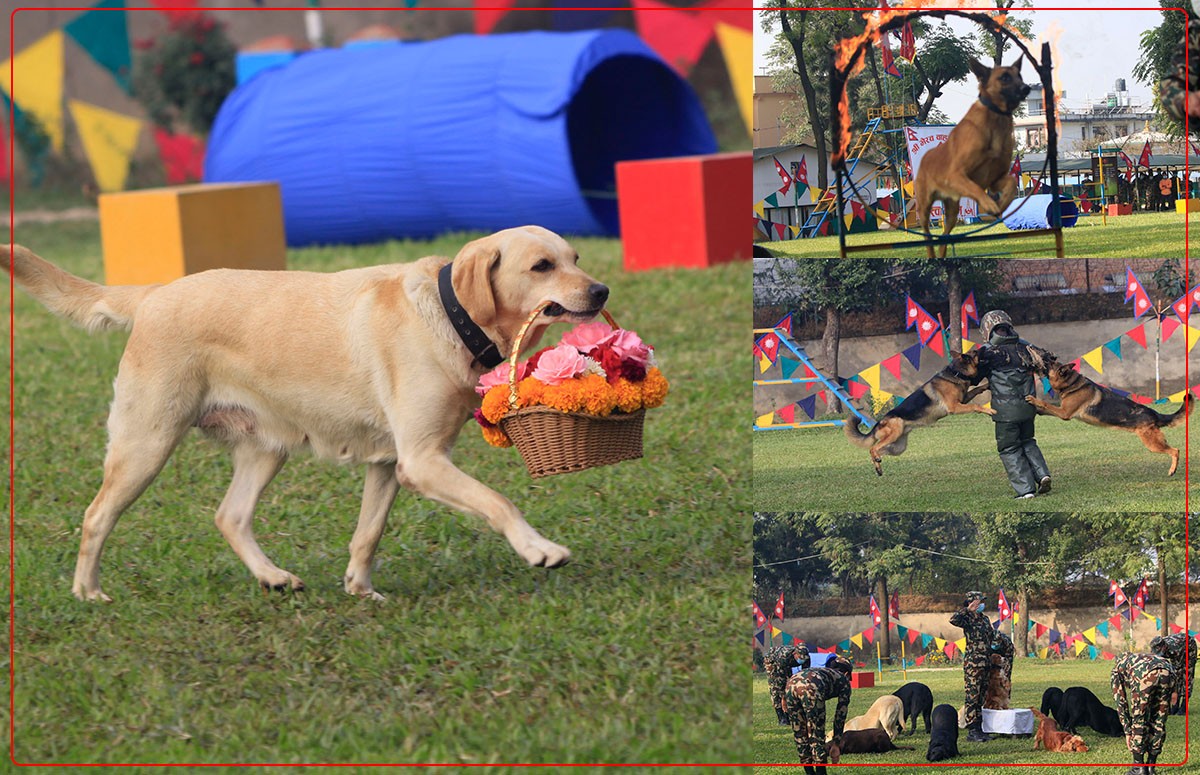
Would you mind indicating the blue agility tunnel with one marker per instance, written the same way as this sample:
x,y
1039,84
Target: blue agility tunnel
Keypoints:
x,y
1034,212
465,133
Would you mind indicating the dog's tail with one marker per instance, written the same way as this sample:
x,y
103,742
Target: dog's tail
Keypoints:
x,y
1173,420
94,307
857,437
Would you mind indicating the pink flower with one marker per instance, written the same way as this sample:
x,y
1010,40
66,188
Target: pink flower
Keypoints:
x,y
559,365
587,336
629,346
498,376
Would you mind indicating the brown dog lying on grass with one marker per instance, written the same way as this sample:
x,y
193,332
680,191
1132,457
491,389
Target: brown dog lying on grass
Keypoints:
x,y
1082,399
1050,737
863,741
947,392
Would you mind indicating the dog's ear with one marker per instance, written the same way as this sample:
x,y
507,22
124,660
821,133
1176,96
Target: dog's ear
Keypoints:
x,y
1016,65
472,279
981,71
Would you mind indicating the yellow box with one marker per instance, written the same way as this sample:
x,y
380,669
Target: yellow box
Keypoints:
x,y
158,235
1187,205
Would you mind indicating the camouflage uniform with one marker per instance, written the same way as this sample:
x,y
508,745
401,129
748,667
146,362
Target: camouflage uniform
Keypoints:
x,y
1003,645
1148,680
978,629
1173,89
778,662
1177,648
804,699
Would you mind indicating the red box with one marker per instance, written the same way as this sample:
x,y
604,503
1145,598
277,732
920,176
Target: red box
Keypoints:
x,y
1126,209
862,680
687,211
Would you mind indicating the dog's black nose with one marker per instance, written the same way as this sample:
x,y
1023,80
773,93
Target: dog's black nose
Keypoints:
x,y
599,293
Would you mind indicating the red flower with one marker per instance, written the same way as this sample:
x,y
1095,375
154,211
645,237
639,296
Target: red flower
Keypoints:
x,y
609,361
479,418
196,58
633,371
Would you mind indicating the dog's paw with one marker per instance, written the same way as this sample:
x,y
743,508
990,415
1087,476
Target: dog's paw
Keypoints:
x,y
280,580
90,596
541,553
358,589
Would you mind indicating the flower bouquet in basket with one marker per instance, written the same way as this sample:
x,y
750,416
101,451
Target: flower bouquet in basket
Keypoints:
x,y
577,405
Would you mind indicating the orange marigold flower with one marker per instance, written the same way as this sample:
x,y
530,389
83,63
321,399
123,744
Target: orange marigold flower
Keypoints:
x,y
496,437
565,397
495,404
654,389
529,392
628,395
596,395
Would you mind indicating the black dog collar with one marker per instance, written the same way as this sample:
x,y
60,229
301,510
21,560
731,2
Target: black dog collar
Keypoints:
x,y
987,103
485,350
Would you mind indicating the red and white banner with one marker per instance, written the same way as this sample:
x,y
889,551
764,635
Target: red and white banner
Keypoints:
x,y
920,139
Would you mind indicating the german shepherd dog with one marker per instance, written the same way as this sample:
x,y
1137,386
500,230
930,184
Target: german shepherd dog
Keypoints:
x,y
1082,399
947,392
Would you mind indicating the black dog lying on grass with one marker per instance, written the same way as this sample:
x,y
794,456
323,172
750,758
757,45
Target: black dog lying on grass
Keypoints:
x,y
943,738
1081,707
1052,703
873,740
918,701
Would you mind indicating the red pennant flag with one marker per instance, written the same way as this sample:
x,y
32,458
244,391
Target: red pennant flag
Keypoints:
x,y
788,415
1169,326
1195,150
869,635
779,607
908,42
1134,290
1175,628
969,308
927,327
1139,597
1002,606
1182,306
913,635
758,353
876,616
858,211
785,324
857,389
894,606
1016,168
1117,594
679,37
780,230
759,618
802,173
1144,159
950,649
1037,186
911,312
889,63
732,12
769,344
486,19
1138,334
1039,630
783,176
1115,621
937,344
919,660
892,365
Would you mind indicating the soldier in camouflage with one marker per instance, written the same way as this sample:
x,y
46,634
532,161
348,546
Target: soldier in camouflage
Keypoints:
x,y
1142,685
804,699
1180,90
978,629
1003,645
1181,651
778,662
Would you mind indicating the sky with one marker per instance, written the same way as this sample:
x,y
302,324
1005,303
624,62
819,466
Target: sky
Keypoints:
x,y
1095,47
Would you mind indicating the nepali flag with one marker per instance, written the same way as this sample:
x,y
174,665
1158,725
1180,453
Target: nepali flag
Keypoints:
x,y
1139,597
889,63
876,615
1195,150
783,176
970,311
1016,168
802,173
785,324
1144,159
1135,291
779,607
915,315
1128,164
1002,606
1117,594
759,618
769,344
908,43
1182,306
1037,186
894,606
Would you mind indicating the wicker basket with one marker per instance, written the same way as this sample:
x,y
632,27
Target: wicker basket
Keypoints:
x,y
553,442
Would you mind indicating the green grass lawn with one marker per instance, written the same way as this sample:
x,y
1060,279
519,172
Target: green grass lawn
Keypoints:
x,y
1142,235
773,743
953,466
627,654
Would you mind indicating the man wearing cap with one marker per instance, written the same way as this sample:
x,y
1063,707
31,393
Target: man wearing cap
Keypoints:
x,y
804,699
978,629
1180,649
778,662
1009,363
1142,686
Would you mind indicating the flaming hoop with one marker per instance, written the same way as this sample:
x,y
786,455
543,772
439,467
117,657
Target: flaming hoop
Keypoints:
x,y
849,57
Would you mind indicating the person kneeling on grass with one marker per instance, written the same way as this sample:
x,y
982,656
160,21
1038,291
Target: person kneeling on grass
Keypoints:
x,y
804,700
1142,686
1009,363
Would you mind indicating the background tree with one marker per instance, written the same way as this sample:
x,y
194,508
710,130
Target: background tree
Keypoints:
x,y
950,278
942,59
994,44
785,557
1159,46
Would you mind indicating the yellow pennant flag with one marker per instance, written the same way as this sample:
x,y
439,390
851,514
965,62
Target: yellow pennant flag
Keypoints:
x,y
760,209
880,399
737,48
765,420
1042,652
775,631
109,140
856,640
764,363
870,375
908,188
940,643
967,345
1148,616
1095,360
1176,398
37,85
849,219
1080,647
1193,335
1090,634
961,643
795,230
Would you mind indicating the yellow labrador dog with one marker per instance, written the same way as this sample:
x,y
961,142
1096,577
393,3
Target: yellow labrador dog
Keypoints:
x,y
362,366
